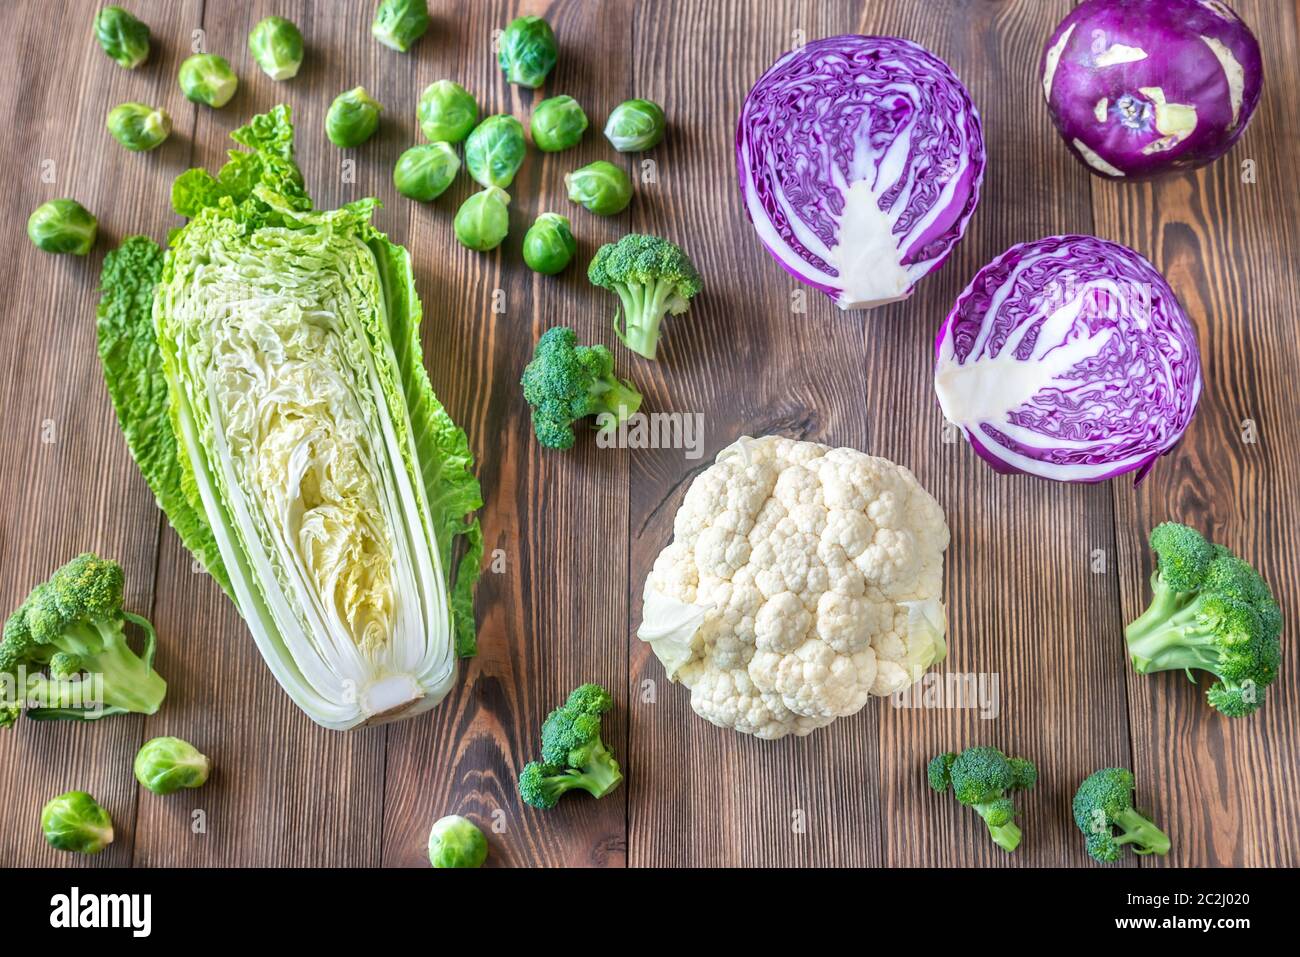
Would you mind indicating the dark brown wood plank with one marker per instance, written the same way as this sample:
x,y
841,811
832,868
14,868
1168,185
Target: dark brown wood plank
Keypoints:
x,y
1227,789
69,482
554,617
578,531
751,367
1029,617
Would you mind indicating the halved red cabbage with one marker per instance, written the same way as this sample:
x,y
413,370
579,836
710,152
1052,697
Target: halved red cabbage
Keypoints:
x,y
1069,358
860,162
1141,87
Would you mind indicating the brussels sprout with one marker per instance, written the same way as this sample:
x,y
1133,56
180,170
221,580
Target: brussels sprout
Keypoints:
x,y
558,124
549,244
601,187
139,127
208,78
276,45
62,226
482,220
399,23
352,119
456,842
495,150
425,172
634,126
447,112
123,37
165,765
75,822
527,51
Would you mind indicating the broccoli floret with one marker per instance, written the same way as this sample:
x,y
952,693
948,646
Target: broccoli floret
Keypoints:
x,y
1104,802
566,382
982,778
573,755
1210,611
652,278
70,633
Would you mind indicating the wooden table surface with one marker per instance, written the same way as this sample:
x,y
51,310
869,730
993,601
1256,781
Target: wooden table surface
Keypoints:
x,y
1041,577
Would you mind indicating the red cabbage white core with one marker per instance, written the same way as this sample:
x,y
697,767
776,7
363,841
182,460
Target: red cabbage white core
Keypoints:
x,y
860,161
1069,358
1141,87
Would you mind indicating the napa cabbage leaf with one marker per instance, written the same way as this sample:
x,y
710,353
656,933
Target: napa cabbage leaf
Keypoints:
x,y
310,452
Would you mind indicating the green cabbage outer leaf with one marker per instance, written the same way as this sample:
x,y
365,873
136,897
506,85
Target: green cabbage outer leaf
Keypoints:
x,y
134,374
270,165
334,483
441,447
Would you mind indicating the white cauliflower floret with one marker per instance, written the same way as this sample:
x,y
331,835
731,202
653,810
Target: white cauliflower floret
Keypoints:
x,y
801,581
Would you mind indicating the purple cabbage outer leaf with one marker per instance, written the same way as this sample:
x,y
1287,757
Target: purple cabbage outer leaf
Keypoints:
x,y
1141,87
1069,358
860,161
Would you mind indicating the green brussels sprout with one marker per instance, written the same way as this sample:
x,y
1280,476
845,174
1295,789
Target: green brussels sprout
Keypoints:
x,y
276,45
456,842
123,37
208,78
635,125
549,244
558,124
425,172
482,221
399,23
62,226
139,127
75,822
601,187
527,51
447,112
495,150
352,119
165,765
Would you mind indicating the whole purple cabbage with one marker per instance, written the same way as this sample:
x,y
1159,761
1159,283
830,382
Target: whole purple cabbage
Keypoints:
x,y
860,162
1141,87
1069,358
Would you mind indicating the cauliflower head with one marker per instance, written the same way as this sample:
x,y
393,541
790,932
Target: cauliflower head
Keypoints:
x,y
801,581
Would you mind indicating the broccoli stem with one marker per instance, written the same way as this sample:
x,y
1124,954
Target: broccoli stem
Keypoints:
x,y
128,681
1141,832
1005,836
613,396
1172,642
1165,603
601,774
997,815
643,311
597,778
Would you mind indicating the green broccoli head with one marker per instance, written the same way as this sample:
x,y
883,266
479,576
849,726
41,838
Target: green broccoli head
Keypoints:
x,y
589,699
1183,555
542,785
652,278
68,636
983,778
1103,803
937,771
1210,611
573,754
566,382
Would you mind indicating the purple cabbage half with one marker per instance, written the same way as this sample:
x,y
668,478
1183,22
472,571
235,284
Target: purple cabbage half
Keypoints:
x,y
860,162
1069,358
1141,87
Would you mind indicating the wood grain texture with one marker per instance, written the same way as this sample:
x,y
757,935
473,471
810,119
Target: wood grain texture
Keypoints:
x,y
1041,577
69,483
1226,238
